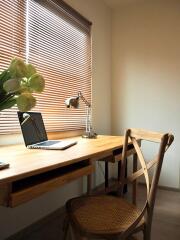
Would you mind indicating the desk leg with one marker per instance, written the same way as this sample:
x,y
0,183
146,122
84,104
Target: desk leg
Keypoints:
x,y
5,190
119,171
89,184
134,190
106,175
125,189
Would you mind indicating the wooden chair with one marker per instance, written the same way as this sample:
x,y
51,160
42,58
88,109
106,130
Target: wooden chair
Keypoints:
x,y
110,217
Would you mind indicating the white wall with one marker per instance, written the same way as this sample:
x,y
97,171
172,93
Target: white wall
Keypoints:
x,y
13,220
146,73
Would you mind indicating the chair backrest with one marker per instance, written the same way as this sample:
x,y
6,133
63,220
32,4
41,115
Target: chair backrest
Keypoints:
x,y
136,136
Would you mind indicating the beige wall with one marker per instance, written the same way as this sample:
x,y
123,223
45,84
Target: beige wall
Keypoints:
x,y
145,88
13,220
146,73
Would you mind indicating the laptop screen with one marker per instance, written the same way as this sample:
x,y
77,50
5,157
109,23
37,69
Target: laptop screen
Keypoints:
x,y
32,127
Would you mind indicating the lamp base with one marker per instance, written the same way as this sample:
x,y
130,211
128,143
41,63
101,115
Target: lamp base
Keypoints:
x,y
89,135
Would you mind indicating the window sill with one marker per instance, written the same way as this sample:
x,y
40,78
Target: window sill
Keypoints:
x,y
65,134
18,138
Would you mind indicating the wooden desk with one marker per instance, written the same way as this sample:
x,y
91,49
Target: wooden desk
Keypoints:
x,y
34,172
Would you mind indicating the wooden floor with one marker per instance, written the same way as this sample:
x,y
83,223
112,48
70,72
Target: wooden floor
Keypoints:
x,y
166,221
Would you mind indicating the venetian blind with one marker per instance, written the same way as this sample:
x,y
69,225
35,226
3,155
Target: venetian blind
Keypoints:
x,y
12,43
58,44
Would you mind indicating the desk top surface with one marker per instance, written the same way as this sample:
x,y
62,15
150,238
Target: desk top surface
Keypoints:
x,y
27,162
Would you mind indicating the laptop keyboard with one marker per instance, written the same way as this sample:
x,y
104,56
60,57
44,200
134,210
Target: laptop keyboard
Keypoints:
x,y
48,143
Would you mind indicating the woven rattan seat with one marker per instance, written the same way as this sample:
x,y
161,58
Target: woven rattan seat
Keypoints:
x,y
103,214
109,217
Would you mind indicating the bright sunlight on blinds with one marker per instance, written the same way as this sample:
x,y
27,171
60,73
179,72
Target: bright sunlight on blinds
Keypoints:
x,y
58,44
12,43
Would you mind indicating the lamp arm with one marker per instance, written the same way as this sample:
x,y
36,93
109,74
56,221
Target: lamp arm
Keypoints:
x,y
80,95
88,113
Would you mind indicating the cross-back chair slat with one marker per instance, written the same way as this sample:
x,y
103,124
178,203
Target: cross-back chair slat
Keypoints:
x,y
139,173
142,162
146,135
110,217
164,141
149,164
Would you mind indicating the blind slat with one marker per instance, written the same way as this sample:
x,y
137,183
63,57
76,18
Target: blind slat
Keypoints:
x,y
58,42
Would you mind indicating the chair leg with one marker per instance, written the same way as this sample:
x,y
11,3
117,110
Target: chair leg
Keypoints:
x,y
65,227
146,235
78,237
75,234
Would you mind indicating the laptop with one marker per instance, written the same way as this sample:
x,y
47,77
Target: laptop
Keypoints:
x,y
34,133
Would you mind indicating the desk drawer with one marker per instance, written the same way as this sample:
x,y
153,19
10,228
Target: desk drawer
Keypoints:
x,y
27,189
117,154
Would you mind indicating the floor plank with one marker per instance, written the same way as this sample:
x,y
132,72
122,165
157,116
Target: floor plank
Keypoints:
x,y
166,220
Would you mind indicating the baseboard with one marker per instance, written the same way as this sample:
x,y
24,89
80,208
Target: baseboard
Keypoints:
x,y
24,233
112,180
164,188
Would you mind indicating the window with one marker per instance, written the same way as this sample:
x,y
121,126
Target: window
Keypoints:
x,y
12,43
58,43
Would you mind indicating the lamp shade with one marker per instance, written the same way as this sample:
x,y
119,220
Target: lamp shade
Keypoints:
x,y
72,102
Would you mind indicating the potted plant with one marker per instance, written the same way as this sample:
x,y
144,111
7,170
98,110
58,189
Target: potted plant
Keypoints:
x,y
18,83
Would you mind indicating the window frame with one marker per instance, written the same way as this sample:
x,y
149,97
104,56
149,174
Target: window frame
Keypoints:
x,y
84,22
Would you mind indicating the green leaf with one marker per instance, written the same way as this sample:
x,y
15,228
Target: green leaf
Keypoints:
x,y
7,104
11,85
17,68
30,70
17,83
37,83
25,102
4,76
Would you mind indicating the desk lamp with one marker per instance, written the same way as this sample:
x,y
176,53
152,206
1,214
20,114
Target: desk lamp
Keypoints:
x,y
74,102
